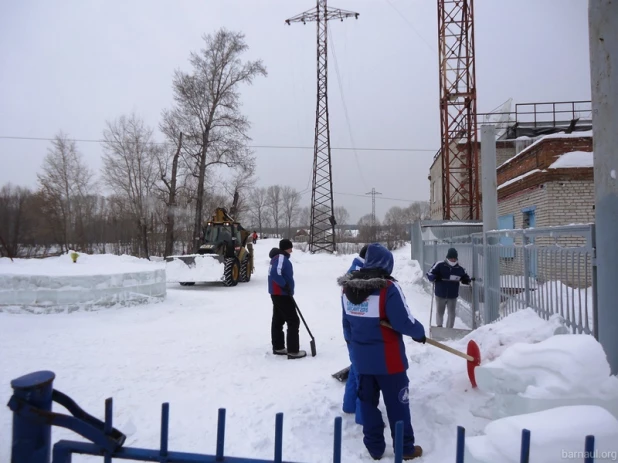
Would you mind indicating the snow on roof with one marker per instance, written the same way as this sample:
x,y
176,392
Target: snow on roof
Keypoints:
x,y
574,159
584,134
513,180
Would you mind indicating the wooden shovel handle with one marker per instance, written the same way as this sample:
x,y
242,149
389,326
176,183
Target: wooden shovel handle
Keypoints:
x,y
437,344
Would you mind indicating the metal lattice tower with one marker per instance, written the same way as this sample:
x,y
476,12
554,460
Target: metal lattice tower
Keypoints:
x,y
460,179
322,229
373,194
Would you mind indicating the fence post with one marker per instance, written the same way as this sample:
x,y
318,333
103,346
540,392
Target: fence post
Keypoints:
x,y
475,270
526,259
32,442
603,37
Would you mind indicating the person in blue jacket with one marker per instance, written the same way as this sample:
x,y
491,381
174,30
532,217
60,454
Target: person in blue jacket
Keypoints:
x,y
447,275
281,289
371,296
351,402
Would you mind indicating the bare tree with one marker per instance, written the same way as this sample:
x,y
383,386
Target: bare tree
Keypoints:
x,y
304,216
167,163
13,219
274,200
396,221
366,231
130,169
64,182
341,217
258,203
240,187
290,198
207,109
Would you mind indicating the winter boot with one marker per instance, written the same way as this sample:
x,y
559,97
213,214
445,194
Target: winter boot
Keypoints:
x,y
418,451
280,351
375,457
297,355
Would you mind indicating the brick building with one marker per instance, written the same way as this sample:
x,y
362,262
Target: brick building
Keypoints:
x,y
549,183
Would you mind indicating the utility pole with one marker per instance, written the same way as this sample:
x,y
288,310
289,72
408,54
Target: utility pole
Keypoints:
x,y
322,207
373,194
603,33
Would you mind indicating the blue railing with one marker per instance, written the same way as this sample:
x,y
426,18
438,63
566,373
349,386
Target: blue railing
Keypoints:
x,y
31,404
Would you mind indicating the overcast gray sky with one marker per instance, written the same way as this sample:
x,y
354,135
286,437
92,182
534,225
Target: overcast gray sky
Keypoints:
x,y
73,64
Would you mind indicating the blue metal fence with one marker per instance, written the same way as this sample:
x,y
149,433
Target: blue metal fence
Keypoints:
x,y
31,404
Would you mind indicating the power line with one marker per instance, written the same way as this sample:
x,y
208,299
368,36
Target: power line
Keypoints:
x,y
345,108
84,140
411,26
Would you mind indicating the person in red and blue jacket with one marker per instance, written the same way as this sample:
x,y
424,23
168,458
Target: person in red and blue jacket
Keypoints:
x,y
371,296
351,402
281,290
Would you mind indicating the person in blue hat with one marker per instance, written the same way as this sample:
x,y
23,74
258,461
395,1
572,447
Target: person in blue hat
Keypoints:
x,y
351,402
370,300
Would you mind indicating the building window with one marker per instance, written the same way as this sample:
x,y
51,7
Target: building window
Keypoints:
x,y
433,191
507,222
529,217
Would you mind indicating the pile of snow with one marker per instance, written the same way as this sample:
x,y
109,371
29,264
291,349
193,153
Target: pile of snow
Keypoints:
x,y
555,435
568,369
574,159
208,346
58,284
203,268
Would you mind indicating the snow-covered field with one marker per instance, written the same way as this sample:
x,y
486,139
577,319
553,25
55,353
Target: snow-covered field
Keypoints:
x,y
208,346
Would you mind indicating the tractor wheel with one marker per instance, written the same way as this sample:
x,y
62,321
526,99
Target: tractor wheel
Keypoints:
x,y
246,269
231,272
187,283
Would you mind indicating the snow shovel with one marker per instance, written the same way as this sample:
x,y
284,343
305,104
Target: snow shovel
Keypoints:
x,y
473,355
312,343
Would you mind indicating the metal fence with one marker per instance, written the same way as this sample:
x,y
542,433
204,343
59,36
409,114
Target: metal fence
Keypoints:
x,y
33,418
551,270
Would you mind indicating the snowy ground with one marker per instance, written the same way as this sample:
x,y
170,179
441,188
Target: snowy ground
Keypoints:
x,y
208,346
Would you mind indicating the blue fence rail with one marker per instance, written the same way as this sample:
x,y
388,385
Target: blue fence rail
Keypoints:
x,y
31,404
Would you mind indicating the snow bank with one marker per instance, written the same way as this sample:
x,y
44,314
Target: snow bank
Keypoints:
x,y
555,435
568,369
204,268
56,284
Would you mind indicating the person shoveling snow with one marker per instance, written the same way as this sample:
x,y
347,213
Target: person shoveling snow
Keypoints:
x,y
369,296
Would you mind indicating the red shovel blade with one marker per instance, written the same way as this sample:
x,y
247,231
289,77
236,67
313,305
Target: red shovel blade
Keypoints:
x,y
475,352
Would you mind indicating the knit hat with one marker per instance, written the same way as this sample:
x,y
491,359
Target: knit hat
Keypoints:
x,y
363,251
451,254
285,244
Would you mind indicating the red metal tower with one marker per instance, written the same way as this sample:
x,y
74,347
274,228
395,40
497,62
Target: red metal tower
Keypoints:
x,y
322,230
459,148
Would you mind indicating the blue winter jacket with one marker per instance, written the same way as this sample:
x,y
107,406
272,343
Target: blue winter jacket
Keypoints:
x,y
369,296
447,278
280,274
357,264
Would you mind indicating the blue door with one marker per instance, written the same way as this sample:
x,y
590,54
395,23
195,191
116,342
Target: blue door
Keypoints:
x,y
530,222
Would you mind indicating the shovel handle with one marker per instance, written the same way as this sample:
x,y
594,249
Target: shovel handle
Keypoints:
x,y
437,344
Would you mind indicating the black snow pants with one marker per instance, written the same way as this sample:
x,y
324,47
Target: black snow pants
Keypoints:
x,y
284,311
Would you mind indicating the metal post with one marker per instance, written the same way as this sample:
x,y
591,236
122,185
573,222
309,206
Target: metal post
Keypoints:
x,y
32,442
491,267
603,33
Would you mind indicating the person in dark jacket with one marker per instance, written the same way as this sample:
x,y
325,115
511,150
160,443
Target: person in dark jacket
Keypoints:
x,y
447,275
281,289
371,296
351,402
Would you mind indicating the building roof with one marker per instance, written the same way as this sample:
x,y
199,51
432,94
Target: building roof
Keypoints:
x,y
574,159
587,134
